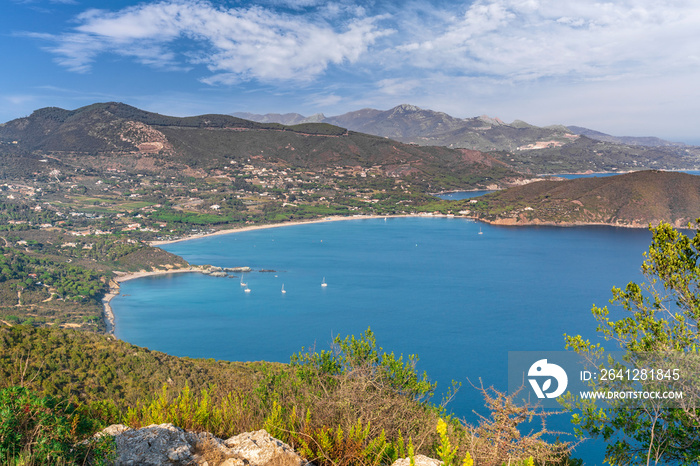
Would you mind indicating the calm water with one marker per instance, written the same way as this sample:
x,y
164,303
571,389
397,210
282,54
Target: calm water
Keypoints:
x,y
430,286
459,195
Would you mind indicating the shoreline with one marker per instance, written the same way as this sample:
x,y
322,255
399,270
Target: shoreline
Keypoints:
x,y
588,172
125,276
334,218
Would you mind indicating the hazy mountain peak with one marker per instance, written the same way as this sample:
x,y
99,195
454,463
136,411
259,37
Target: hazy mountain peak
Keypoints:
x,y
284,119
407,108
315,118
521,124
561,128
492,121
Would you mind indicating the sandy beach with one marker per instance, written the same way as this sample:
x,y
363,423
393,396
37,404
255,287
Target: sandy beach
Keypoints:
x,y
277,225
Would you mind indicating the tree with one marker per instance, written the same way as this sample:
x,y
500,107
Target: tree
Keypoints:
x,y
660,318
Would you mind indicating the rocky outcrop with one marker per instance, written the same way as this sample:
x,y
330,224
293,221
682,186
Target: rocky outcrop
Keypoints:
x,y
420,460
215,271
237,269
260,448
166,444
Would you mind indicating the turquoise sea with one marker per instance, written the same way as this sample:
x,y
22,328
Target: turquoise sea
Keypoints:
x,y
434,287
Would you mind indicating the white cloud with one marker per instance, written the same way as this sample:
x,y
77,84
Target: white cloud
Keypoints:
x,y
235,44
295,4
525,40
325,101
398,86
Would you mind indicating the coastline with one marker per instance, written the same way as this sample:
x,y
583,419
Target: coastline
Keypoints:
x,y
125,276
335,218
514,222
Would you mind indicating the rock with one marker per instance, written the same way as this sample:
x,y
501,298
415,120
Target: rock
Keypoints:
x,y
260,448
237,269
114,429
166,444
420,460
218,274
150,446
210,451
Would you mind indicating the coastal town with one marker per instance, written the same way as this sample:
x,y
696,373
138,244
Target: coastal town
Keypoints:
x,y
157,208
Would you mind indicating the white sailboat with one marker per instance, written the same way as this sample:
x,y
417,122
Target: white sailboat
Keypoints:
x,y
243,284
480,232
283,290
323,283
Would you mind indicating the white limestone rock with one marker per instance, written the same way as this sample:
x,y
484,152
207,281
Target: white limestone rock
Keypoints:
x,y
260,448
165,444
420,460
154,445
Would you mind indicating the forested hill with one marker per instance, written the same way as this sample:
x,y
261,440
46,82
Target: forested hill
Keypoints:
x,y
120,137
87,367
634,199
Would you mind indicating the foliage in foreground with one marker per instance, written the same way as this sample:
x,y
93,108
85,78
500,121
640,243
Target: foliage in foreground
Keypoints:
x,y
42,430
350,405
660,317
85,367
355,405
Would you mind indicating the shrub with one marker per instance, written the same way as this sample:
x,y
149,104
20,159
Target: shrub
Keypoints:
x,y
355,405
42,430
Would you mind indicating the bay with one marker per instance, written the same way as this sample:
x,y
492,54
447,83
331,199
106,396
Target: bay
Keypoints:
x,y
571,176
434,287
459,195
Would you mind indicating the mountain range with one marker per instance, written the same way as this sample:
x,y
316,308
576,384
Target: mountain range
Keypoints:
x,y
121,137
405,139
408,121
528,148
103,162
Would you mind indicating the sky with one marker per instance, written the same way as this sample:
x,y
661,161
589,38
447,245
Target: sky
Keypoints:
x,y
623,67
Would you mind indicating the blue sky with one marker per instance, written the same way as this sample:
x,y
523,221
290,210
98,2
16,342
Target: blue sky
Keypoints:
x,y
624,67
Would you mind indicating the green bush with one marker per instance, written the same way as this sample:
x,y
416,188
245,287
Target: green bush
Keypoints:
x,y
43,430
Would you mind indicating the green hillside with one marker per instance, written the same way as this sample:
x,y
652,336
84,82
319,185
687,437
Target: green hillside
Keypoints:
x,y
89,367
